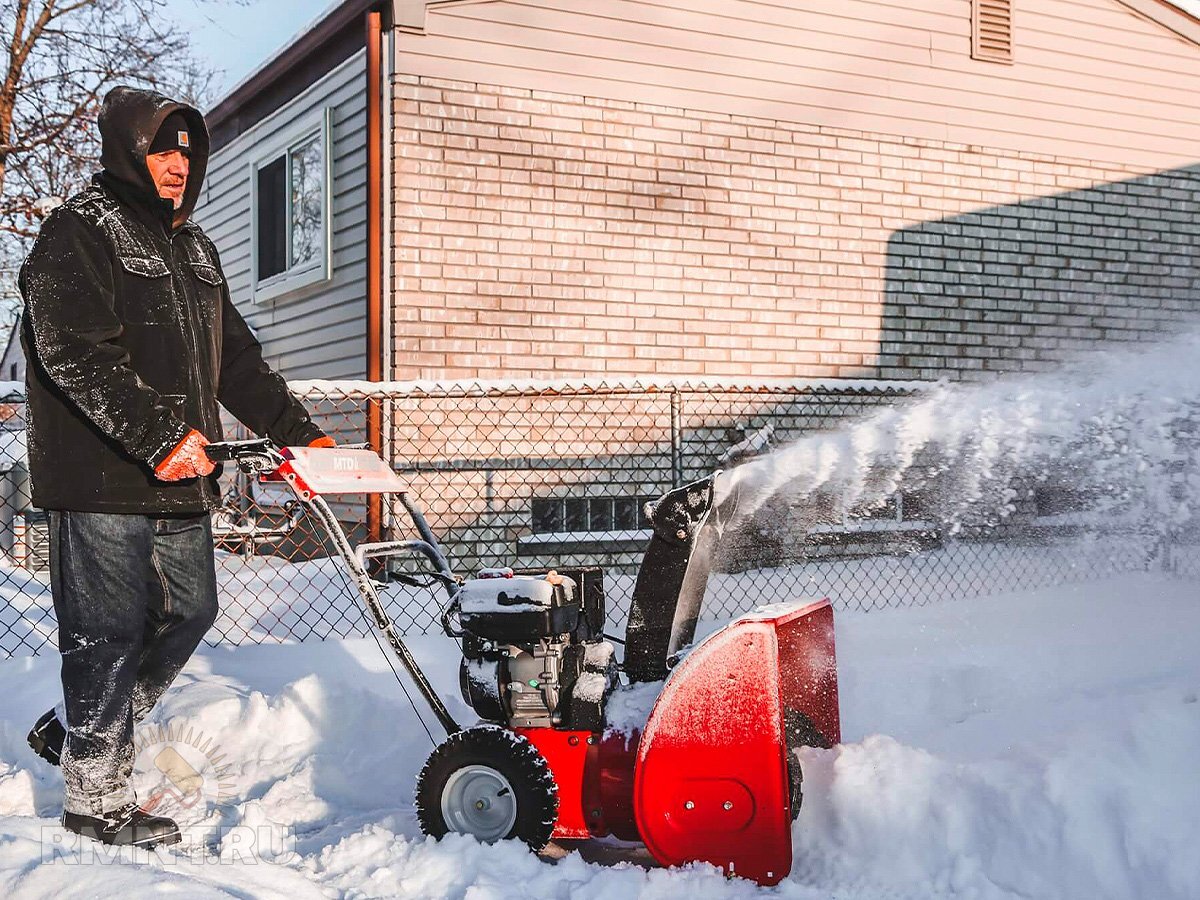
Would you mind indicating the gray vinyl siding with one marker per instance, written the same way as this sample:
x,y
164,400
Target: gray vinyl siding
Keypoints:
x,y
319,332
12,364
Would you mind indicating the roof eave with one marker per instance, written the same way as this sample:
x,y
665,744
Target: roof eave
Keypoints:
x,y
331,31
1171,17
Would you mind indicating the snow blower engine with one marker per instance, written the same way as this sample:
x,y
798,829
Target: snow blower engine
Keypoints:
x,y
534,653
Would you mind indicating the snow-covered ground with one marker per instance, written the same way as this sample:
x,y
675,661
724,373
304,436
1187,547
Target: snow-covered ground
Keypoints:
x,y
1035,745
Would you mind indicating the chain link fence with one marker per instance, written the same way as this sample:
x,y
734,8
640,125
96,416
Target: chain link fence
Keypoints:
x,y
539,476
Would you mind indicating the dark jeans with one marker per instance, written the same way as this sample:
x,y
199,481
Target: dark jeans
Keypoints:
x,y
133,595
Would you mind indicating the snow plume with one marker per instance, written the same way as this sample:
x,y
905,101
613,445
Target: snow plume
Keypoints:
x,y
1120,431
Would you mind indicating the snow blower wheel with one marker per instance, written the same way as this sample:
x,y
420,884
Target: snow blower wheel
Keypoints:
x,y
488,782
795,785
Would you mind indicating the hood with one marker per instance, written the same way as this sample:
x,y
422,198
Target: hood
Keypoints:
x,y
129,119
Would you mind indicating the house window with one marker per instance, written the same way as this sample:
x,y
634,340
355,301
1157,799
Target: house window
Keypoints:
x,y
291,200
991,30
552,515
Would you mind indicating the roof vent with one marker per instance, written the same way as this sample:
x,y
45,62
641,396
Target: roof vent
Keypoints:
x,y
991,30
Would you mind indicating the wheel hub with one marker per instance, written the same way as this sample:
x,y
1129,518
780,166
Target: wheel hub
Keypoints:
x,y
479,801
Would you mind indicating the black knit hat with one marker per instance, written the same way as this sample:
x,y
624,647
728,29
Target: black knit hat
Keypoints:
x,y
172,135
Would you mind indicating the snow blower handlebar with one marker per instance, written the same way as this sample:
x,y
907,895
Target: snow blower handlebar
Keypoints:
x,y
254,457
313,472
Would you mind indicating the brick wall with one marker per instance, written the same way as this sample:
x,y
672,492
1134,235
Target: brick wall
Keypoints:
x,y
548,235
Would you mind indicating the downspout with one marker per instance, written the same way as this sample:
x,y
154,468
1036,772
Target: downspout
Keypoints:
x,y
375,177
386,323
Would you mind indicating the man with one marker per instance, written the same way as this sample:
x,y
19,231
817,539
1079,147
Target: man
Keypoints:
x,y
131,342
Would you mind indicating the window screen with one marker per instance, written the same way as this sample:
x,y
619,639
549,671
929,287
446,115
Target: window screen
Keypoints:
x,y
307,164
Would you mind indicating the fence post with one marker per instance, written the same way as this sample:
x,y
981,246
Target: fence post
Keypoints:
x,y
676,439
1168,557
375,441
18,549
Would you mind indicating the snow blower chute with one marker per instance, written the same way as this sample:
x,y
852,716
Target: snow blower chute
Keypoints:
x,y
711,776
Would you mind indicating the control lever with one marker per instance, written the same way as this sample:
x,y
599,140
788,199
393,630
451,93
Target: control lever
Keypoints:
x,y
254,457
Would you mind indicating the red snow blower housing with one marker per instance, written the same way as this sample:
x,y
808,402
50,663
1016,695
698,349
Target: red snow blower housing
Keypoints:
x,y
710,776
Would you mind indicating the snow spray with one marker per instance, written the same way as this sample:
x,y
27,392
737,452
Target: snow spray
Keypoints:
x,y
1120,430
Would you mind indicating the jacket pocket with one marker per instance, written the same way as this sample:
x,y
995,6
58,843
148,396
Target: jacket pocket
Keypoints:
x,y
145,266
206,273
151,297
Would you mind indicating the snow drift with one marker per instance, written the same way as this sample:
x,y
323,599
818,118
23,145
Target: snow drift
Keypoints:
x,y
1037,745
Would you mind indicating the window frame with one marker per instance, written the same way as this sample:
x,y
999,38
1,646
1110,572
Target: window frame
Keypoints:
x,y
319,124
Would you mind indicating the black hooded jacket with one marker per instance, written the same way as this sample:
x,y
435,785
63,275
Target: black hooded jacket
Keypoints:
x,y
130,335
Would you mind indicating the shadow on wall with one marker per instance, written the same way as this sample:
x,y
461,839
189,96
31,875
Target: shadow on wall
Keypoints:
x,y
1022,287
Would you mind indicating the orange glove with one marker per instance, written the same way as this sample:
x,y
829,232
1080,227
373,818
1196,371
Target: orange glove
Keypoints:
x,y
187,460
323,441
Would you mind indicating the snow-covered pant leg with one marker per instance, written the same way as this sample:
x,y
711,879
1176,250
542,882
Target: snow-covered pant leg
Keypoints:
x,y
183,604
134,596
97,578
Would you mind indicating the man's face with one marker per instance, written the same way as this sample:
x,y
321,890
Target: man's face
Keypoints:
x,y
169,171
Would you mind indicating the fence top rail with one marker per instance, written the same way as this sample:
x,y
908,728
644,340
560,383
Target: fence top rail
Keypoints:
x,y
14,392
318,389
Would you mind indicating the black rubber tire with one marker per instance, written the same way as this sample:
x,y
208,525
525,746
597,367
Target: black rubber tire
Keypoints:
x,y
795,784
799,731
507,753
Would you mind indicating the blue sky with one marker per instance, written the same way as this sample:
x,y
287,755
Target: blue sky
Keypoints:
x,y
239,38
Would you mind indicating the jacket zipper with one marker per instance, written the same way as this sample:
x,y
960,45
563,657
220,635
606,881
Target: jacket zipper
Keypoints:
x,y
194,363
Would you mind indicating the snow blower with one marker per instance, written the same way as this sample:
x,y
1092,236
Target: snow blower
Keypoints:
x,y
712,774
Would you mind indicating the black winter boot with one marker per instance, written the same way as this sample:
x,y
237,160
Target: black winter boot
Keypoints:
x,y
47,738
129,826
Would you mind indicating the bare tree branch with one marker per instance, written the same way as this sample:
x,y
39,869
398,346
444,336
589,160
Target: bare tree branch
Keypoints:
x,y
62,57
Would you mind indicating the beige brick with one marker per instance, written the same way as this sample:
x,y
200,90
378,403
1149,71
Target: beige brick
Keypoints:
x,y
640,232
447,84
